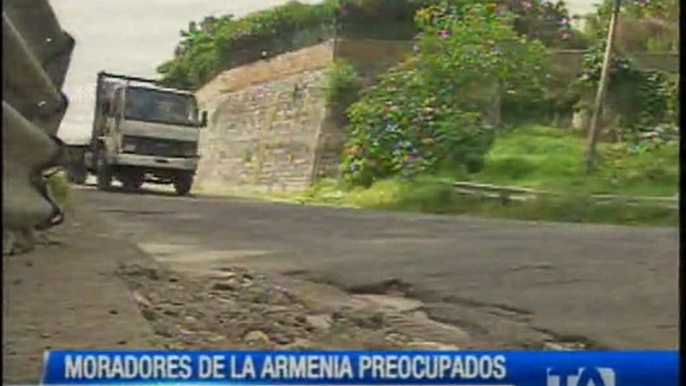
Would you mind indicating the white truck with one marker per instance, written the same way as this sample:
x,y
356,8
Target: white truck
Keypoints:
x,y
143,132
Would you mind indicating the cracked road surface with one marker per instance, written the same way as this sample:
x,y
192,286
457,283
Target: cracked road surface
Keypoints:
x,y
508,284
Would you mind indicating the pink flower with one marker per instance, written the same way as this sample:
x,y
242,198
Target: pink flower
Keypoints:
x,y
526,4
444,34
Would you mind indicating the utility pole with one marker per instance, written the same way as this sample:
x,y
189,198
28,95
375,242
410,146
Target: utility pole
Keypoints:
x,y
594,131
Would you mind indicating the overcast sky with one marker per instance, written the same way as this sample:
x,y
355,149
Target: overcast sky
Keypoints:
x,y
134,36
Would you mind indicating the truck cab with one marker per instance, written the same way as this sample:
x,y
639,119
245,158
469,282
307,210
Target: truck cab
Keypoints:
x,y
144,132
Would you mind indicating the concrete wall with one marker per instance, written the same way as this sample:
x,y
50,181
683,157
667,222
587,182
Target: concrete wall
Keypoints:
x,y
264,121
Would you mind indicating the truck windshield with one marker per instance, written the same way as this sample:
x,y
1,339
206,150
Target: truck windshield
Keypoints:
x,y
144,104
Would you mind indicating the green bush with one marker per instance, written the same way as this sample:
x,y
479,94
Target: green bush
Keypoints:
x,y
427,114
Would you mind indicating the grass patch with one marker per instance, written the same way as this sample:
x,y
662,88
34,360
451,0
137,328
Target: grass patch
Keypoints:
x,y
538,158
552,159
433,195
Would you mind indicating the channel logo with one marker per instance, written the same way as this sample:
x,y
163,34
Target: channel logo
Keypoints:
x,y
583,376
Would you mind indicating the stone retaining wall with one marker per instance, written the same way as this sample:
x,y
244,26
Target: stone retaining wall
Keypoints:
x,y
264,120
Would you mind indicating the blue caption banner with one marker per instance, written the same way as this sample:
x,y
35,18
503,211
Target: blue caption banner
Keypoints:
x,y
519,368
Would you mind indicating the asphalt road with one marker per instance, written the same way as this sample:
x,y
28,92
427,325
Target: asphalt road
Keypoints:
x,y
510,284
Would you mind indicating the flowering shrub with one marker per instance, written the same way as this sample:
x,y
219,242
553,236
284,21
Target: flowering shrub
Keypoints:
x,y
427,113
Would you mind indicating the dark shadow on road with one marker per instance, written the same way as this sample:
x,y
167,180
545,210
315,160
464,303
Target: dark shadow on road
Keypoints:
x,y
144,191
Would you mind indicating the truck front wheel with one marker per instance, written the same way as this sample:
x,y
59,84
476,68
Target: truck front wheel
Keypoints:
x,y
183,183
104,174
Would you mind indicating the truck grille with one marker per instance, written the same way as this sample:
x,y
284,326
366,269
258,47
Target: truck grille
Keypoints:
x,y
161,147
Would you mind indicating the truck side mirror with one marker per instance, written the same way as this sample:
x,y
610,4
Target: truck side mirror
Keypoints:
x,y
203,119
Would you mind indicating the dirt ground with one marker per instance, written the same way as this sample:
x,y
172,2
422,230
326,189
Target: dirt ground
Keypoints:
x,y
83,287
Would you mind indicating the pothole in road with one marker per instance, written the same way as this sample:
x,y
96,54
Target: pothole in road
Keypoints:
x,y
390,298
406,315
245,309
401,309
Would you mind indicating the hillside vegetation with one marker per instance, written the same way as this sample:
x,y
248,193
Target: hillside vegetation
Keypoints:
x,y
477,101
217,43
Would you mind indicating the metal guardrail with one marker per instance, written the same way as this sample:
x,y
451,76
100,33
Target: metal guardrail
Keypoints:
x,y
36,54
512,193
